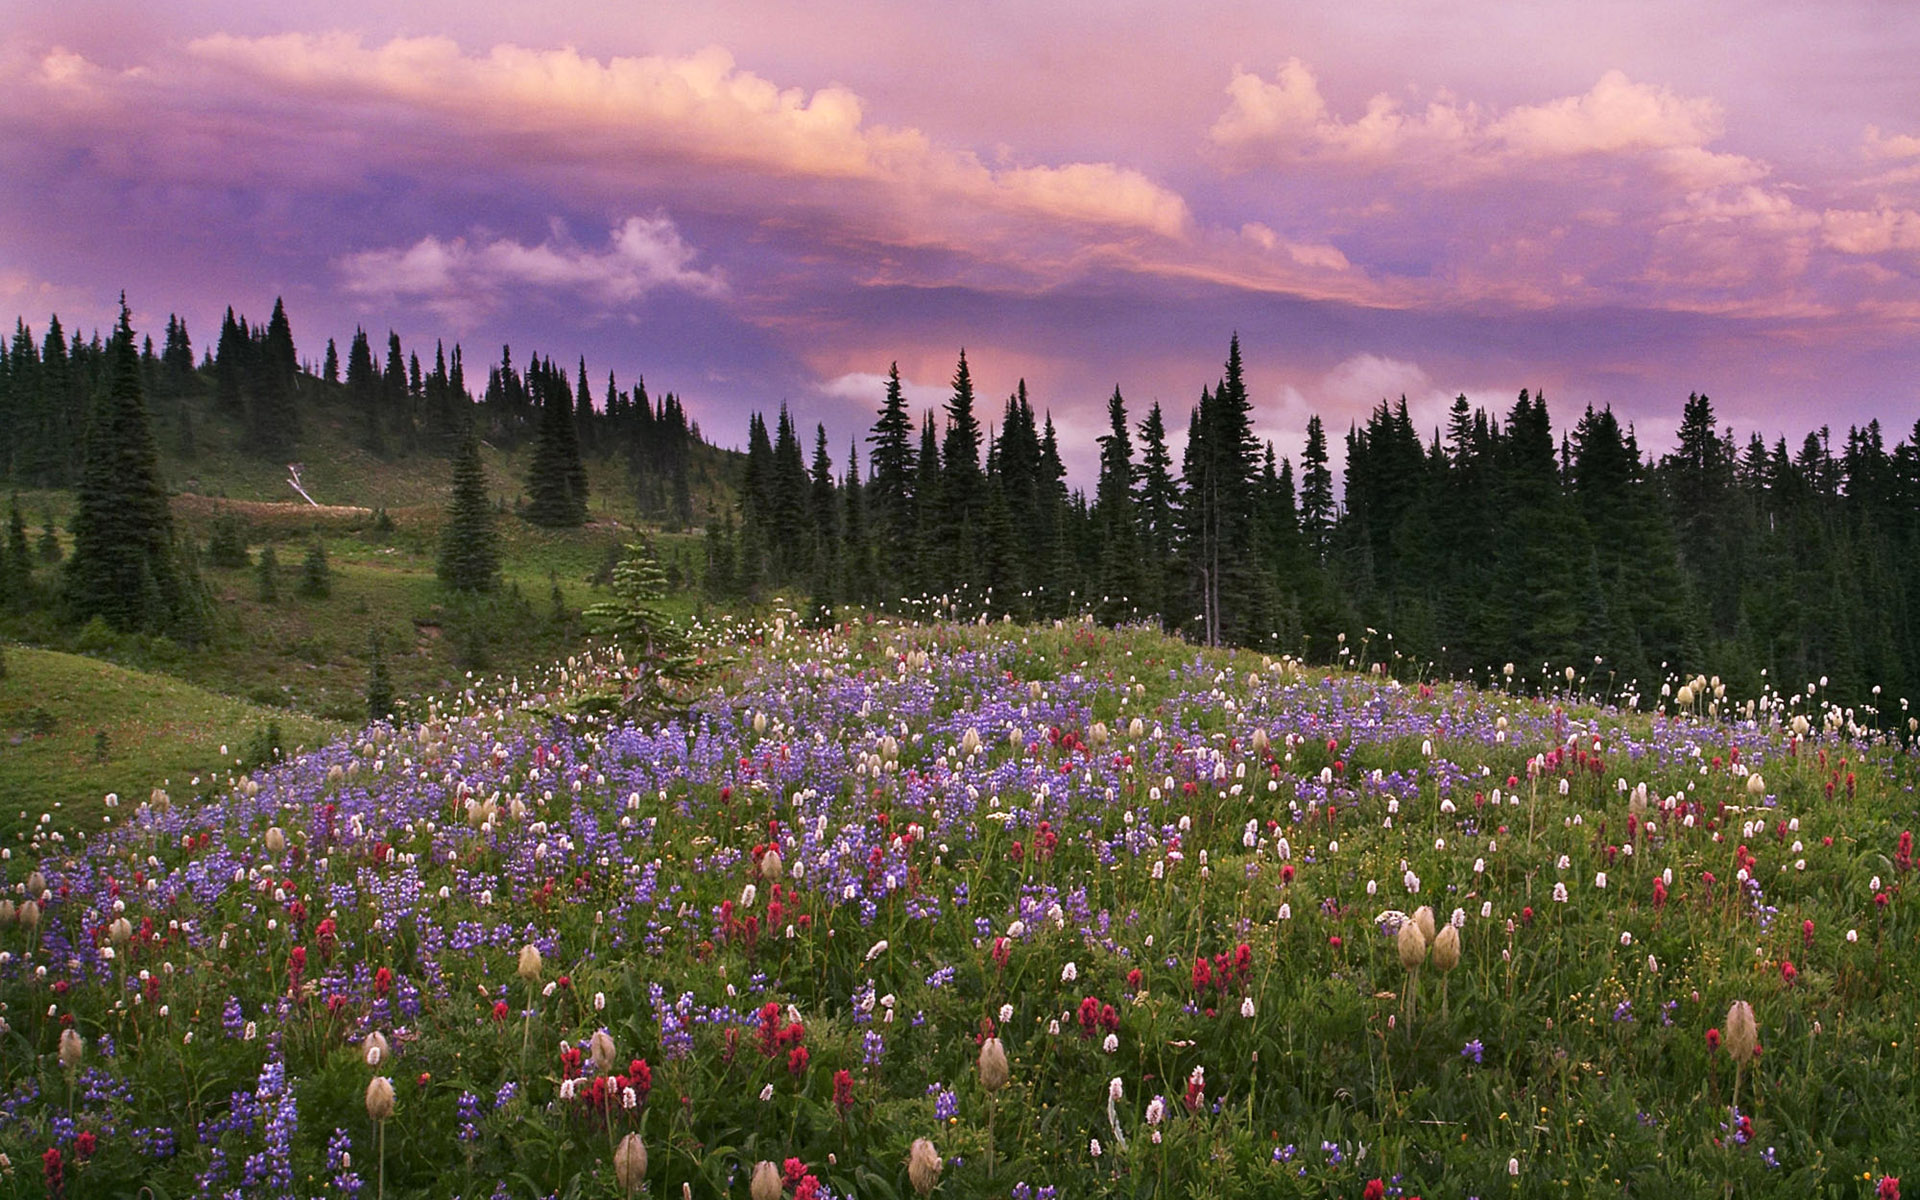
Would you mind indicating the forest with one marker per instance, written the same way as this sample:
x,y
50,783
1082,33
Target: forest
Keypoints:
x,y
1496,546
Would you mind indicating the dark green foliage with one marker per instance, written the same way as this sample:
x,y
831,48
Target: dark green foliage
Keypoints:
x,y
469,547
316,580
718,581
227,544
267,575
16,561
556,478
1121,584
124,566
963,486
658,654
379,681
48,546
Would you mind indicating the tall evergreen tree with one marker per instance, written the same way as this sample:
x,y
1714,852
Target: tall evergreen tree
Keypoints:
x,y
556,478
893,463
124,567
1120,584
469,547
1158,505
963,484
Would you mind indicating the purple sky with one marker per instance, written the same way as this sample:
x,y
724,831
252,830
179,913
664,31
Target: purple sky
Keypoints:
x,y
1616,203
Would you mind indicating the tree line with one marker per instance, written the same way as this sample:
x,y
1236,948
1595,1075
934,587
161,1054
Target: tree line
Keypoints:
x,y
1489,541
254,382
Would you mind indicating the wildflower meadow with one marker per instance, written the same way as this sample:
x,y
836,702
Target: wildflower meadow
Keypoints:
x,y
964,910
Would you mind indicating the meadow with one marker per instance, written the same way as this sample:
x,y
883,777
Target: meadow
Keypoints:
x,y
1092,912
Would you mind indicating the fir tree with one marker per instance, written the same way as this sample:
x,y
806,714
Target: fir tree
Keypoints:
x,y
273,421
267,575
316,580
1120,581
556,478
16,579
656,649
124,566
469,548
1157,503
227,544
717,581
893,462
379,682
963,490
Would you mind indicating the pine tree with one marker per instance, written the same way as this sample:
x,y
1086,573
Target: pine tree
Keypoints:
x,y
124,566
962,483
893,462
824,502
1316,491
1157,504
469,548
556,478
718,581
379,682
316,580
273,420
1120,584
267,575
856,546
657,650
330,372
227,544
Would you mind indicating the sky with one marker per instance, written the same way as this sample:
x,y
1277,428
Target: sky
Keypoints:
x,y
1612,203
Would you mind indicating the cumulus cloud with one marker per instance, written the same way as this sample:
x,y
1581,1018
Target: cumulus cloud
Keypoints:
x,y
701,107
1288,120
1875,232
1877,145
463,279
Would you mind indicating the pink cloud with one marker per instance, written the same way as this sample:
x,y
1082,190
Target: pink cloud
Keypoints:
x,y
701,107
1288,120
461,279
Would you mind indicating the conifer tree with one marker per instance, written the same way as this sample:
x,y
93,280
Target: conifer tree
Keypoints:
x,y
718,581
556,478
124,566
1119,585
1158,502
469,547
16,564
856,546
894,464
316,579
962,484
379,682
267,575
658,651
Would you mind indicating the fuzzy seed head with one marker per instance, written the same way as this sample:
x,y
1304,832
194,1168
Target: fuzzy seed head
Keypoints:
x,y
375,1049
29,915
1423,917
530,963
994,1071
1412,945
379,1098
771,868
766,1181
600,1050
630,1163
276,840
1446,948
923,1166
71,1048
1742,1033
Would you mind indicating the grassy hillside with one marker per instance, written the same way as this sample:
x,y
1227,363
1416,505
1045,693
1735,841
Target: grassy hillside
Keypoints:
x,y
73,729
304,660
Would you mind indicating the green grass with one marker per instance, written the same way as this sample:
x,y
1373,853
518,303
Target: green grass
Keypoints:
x,y
159,732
